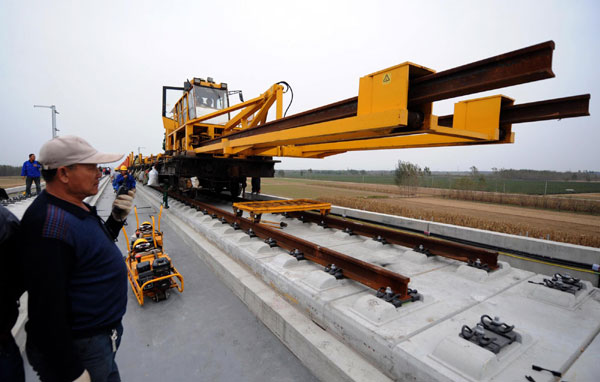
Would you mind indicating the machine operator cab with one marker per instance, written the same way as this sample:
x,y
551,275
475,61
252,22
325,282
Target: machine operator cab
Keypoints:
x,y
204,97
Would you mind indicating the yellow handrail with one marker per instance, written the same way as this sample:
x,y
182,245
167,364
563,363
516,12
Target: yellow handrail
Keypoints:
x,y
153,231
159,215
126,239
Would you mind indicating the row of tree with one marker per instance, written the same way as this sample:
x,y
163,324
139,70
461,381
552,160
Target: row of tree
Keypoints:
x,y
407,170
510,173
6,170
407,175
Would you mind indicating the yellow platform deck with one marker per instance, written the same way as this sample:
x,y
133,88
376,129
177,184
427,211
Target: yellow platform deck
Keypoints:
x,y
257,208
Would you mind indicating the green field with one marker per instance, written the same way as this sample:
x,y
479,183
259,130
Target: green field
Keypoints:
x,y
516,186
372,179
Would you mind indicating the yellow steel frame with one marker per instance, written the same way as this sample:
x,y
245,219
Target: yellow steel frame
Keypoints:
x,y
382,108
278,206
157,235
257,208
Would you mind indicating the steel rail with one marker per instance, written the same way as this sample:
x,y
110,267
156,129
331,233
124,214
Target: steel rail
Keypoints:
x,y
520,66
371,275
428,245
558,108
517,67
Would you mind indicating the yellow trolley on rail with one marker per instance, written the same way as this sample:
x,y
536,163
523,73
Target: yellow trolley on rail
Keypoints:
x,y
149,269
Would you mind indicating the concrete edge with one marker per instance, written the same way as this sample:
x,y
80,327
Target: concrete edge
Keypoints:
x,y
14,190
550,249
328,358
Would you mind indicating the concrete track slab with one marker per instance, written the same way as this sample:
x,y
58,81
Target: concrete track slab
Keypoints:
x,y
381,332
552,337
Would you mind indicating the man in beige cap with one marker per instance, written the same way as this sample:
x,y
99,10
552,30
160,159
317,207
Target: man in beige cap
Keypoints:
x,y
75,274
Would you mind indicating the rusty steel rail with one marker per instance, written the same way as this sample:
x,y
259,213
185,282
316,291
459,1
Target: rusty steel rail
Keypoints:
x,y
371,275
428,245
558,108
517,67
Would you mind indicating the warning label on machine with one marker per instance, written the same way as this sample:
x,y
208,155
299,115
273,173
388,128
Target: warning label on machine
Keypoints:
x,y
387,78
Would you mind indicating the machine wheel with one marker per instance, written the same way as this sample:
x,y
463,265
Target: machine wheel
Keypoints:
x,y
159,296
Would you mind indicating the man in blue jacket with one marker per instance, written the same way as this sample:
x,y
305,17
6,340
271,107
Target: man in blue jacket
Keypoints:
x,y
123,179
76,277
31,173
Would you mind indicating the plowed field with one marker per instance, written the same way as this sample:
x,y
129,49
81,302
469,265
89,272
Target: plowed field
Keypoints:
x,y
567,227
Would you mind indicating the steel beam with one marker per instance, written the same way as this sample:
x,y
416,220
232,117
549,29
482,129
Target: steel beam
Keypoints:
x,y
517,67
558,108
436,247
520,66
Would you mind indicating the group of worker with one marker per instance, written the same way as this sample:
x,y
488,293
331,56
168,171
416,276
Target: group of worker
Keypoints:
x,y
64,255
30,171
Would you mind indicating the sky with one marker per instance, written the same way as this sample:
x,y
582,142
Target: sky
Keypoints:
x,y
103,65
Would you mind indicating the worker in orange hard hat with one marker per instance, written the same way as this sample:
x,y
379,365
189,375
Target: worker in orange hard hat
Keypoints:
x,y
123,179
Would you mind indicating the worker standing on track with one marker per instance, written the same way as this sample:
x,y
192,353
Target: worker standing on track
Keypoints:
x,y
31,173
124,178
255,185
74,272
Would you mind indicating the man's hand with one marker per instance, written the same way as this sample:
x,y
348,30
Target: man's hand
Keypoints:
x,y
122,206
84,377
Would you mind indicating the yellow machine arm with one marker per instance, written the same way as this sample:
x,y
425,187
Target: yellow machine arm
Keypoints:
x,y
383,120
393,110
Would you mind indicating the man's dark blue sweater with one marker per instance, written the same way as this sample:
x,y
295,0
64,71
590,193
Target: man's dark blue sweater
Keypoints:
x,y
75,276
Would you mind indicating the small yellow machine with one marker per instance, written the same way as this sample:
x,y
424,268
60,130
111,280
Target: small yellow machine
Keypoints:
x,y
149,269
145,231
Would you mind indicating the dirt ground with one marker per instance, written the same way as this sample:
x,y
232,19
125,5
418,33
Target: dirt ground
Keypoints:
x,y
561,226
11,181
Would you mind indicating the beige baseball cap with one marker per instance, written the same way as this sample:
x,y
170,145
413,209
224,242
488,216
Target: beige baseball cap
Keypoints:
x,y
69,149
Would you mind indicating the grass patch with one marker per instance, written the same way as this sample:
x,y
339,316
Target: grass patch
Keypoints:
x,y
461,220
389,199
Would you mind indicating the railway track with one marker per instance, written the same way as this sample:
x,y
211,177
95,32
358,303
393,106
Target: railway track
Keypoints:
x,y
390,286
426,335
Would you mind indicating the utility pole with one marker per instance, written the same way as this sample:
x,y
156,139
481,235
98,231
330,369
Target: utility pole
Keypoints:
x,y
54,112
